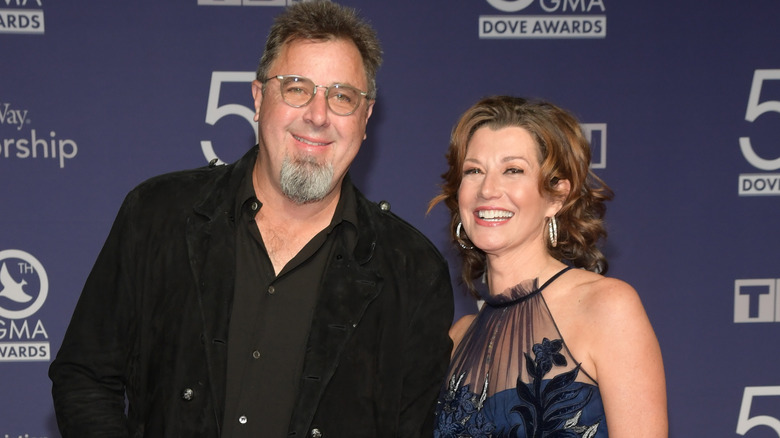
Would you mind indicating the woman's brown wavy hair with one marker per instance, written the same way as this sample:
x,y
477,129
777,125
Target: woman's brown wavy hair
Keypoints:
x,y
564,154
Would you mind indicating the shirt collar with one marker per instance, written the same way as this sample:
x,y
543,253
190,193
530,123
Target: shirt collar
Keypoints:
x,y
246,201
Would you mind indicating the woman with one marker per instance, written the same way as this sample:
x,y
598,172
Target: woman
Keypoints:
x,y
554,351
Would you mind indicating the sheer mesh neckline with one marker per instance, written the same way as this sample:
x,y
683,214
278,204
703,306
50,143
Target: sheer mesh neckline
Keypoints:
x,y
520,292
511,329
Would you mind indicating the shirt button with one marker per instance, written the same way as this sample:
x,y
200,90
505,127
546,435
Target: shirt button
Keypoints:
x,y
256,354
271,290
315,433
254,205
242,419
188,394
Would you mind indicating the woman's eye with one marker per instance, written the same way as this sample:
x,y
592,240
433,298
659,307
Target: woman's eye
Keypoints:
x,y
514,170
471,171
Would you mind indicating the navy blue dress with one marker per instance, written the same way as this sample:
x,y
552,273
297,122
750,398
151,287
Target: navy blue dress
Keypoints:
x,y
513,376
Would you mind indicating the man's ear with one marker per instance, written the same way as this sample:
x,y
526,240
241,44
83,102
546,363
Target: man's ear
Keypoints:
x,y
257,95
369,111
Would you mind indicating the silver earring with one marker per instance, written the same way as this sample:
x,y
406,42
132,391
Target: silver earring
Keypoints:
x,y
460,239
552,230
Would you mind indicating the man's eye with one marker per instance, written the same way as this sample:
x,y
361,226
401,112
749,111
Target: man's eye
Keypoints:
x,y
342,97
295,90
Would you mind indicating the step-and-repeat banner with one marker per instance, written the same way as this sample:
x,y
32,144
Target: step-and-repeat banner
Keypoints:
x,y
681,101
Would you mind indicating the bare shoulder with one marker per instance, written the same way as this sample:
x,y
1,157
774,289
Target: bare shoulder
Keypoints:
x,y
605,298
594,313
612,320
459,329
611,299
622,353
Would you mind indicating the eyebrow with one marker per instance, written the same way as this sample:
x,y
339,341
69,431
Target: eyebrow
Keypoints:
x,y
513,158
315,82
503,160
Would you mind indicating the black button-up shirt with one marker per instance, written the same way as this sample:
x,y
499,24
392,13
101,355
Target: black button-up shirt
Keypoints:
x,y
271,318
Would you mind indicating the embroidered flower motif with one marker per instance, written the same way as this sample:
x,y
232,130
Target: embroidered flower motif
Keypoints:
x,y
548,354
548,408
555,410
460,414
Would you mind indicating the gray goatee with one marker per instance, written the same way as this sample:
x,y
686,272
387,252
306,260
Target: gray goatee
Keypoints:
x,y
304,180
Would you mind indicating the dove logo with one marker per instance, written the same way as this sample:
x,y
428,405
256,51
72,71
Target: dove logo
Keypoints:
x,y
23,284
11,289
23,289
510,5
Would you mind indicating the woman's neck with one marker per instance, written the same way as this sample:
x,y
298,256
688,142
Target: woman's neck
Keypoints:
x,y
504,272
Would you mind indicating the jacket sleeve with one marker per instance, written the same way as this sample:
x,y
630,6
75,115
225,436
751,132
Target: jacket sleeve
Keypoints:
x,y
427,350
90,371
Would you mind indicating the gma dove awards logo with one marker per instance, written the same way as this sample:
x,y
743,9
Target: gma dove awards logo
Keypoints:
x,y
21,17
553,19
24,286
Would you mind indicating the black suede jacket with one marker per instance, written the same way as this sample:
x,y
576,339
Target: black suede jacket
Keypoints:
x,y
151,324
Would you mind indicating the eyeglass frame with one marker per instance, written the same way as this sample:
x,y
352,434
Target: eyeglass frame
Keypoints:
x,y
327,88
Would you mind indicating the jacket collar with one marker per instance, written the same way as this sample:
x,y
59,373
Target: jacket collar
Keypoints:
x,y
219,199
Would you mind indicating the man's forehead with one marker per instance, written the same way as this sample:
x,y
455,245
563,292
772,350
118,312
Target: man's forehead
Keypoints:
x,y
296,53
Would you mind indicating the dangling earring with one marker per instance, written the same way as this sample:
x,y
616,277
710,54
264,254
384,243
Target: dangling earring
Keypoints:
x,y
460,239
552,230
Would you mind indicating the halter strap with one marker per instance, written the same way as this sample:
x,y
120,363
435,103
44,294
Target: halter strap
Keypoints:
x,y
546,283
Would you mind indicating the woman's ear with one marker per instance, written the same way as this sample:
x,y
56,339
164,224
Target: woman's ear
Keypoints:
x,y
561,188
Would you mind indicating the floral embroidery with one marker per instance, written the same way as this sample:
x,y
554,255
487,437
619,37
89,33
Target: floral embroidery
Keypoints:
x,y
548,353
552,410
556,408
456,411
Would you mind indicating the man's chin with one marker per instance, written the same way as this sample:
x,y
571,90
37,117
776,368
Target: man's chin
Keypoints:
x,y
303,196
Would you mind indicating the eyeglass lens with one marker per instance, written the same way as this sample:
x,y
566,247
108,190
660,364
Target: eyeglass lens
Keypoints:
x,y
298,91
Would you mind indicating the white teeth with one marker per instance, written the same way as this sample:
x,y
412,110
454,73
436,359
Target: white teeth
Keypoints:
x,y
303,140
495,214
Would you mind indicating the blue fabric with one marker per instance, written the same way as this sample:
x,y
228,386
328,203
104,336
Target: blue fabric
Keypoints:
x,y
513,376
573,411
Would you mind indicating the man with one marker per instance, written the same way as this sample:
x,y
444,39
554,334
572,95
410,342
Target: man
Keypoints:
x,y
267,297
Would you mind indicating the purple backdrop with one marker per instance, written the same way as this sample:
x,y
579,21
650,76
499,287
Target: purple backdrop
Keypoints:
x,y
682,100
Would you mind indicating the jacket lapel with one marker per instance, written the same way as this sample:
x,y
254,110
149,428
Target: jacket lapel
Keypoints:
x,y
348,288
211,247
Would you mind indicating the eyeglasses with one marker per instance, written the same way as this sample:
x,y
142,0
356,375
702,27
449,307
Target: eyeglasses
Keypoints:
x,y
298,91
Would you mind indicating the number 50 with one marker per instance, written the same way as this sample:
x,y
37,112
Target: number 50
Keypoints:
x,y
746,422
756,108
214,111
